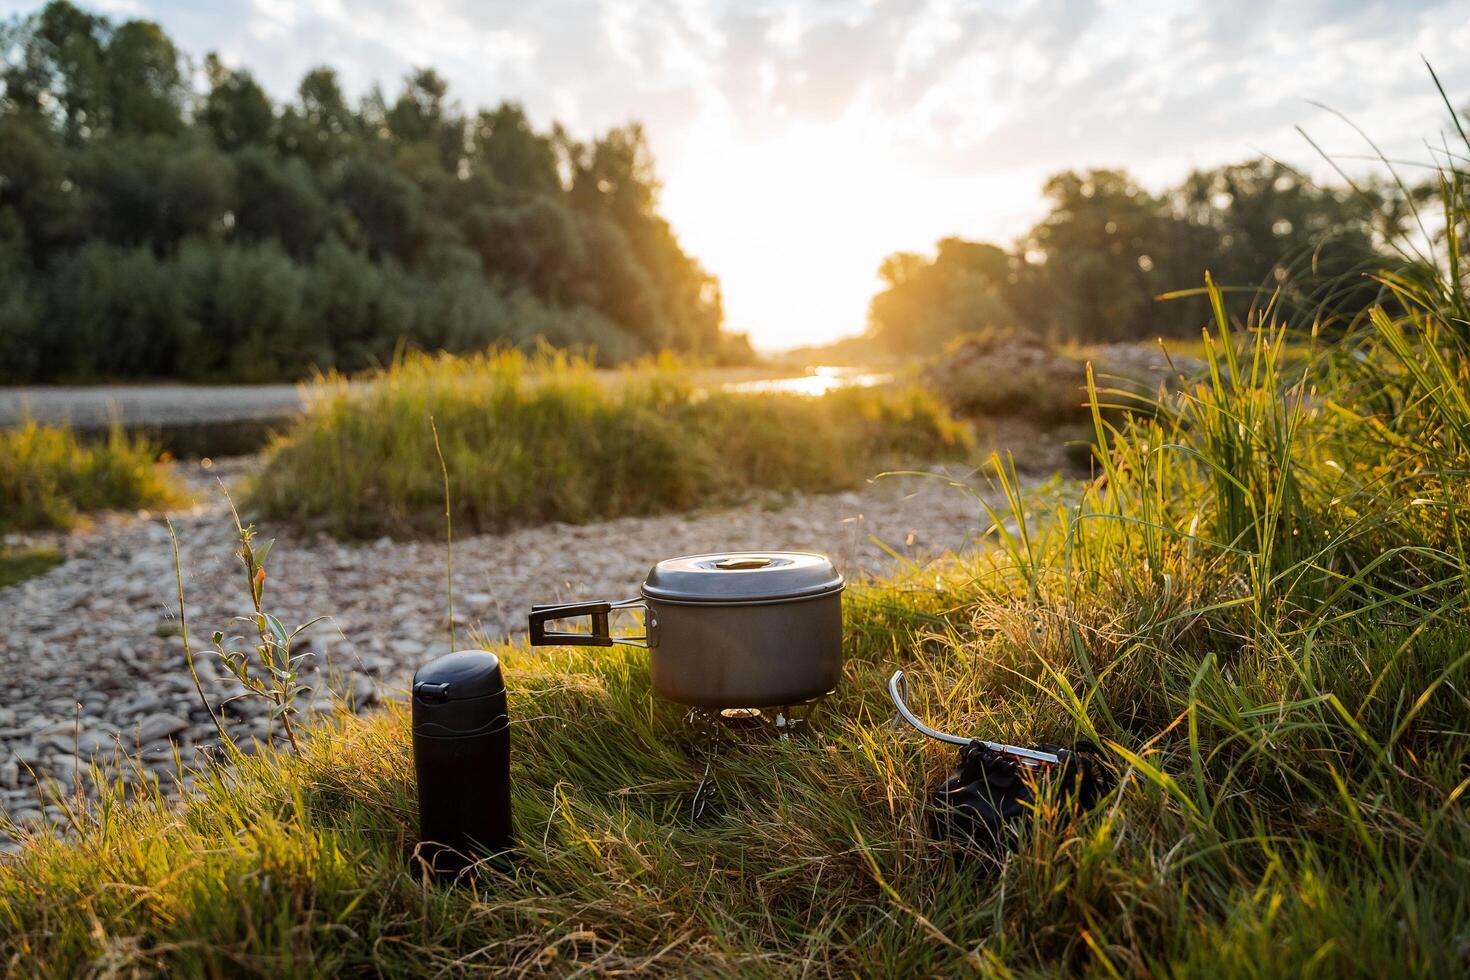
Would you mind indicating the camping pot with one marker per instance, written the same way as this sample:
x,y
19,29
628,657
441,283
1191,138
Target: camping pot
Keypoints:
x,y
750,629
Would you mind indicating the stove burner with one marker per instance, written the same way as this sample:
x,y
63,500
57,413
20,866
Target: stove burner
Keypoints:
x,y
738,716
712,728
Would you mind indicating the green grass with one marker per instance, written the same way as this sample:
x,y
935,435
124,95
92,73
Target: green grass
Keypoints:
x,y
532,439
49,476
17,565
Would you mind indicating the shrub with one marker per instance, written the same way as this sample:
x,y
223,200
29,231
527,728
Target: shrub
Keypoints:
x,y
48,476
120,311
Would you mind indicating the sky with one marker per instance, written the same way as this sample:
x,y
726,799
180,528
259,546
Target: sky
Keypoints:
x,y
801,142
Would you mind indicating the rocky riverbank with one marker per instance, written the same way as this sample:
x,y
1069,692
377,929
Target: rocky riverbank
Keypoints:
x,y
92,661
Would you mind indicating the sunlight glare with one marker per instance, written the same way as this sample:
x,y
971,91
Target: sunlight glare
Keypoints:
x,y
797,222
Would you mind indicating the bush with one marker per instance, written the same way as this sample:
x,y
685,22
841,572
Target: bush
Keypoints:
x,y
20,329
540,438
48,476
249,301
121,313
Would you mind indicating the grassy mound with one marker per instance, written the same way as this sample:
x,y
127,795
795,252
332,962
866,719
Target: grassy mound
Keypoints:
x,y
1256,610
1002,373
530,439
48,476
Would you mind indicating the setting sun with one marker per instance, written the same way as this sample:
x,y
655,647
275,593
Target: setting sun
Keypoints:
x,y
751,209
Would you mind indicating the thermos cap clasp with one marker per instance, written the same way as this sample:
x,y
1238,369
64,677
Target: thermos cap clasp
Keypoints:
x,y
431,692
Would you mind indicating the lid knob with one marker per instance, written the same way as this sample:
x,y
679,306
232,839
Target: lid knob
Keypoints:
x,y
735,564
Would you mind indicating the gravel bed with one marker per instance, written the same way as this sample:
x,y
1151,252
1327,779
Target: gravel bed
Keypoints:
x,y
91,663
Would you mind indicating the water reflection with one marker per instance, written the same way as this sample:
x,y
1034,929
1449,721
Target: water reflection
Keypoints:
x,y
822,380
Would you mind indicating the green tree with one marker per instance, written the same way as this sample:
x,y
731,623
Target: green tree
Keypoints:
x,y
20,307
926,303
321,127
279,200
237,111
424,115
145,88
252,240
1097,245
512,153
387,207
36,186
124,314
154,190
1267,226
57,71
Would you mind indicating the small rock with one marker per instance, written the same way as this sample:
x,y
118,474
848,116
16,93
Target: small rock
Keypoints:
x,y
62,768
178,682
361,692
406,648
376,664
145,700
27,754
159,726
96,741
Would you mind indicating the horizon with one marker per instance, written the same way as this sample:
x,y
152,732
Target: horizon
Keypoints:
x,y
772,131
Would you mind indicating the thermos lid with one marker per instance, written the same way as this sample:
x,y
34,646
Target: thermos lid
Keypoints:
x,y
459,676
742,576
459,694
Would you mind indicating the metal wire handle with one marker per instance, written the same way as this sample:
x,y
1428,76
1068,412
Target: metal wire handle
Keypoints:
x,y
1031,757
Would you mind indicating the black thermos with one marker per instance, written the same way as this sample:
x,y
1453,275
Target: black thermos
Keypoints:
x,y
461,756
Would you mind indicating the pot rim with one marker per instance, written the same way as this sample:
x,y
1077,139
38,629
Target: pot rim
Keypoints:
x,y
779,600
741,577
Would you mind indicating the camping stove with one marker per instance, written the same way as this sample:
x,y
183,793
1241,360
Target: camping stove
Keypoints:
x,y
712,730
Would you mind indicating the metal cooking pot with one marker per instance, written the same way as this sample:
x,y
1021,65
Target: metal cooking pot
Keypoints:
x,y
749,629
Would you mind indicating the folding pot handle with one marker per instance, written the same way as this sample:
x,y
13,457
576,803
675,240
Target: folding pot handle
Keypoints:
x,y
601,635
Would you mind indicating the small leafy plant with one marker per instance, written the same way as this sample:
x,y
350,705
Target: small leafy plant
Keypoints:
x,y
262,660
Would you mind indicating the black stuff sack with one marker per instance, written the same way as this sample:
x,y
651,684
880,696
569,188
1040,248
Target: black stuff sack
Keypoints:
x,y
989,797
996,788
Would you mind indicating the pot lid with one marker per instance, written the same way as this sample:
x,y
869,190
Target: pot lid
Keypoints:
x,y
742,576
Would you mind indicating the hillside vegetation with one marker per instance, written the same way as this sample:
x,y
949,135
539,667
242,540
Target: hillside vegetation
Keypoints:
x,y
151,230
527,439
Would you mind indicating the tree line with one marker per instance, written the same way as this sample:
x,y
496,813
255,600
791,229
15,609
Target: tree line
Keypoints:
x,y
162,219
1093,268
